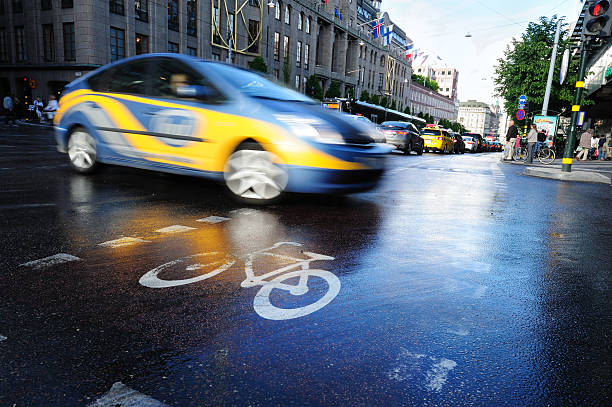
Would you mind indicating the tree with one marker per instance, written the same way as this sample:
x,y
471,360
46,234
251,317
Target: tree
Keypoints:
x,y
523,70
375,100
428,83
258,64
393,105
365,96
407,110
421,115
334,90
384,101
445,123
313,88
287,70
350,93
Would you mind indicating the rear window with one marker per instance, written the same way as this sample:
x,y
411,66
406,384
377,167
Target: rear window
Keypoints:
x,y
427,132
466,138
391,127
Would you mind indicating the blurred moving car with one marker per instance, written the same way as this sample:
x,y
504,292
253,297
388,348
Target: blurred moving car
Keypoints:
x,y
404,136
459,144
378,134
470,144
437,139
478,140
180,114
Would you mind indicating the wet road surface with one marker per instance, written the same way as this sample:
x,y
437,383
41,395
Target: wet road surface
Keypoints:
x,y
456,282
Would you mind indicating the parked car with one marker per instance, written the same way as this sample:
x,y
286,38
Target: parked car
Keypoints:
x,y
437,139
478,140
471,145
180,114
459,144
497,146
404,136
378,136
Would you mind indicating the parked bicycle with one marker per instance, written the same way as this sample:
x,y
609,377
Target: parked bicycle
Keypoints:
x,y
261,303
545,154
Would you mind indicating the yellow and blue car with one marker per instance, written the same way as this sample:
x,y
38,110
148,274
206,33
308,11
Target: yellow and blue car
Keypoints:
x,y
179,114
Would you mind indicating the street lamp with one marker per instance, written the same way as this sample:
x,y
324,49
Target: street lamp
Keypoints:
x,y
271,4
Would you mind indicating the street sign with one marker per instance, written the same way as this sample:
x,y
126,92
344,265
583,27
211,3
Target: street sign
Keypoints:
x,y
522,106
33,83
520,115
523,99
580,121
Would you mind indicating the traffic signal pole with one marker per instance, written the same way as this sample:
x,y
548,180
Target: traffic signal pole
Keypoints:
x,y
568,154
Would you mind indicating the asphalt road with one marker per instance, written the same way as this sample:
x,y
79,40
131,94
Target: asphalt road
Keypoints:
x,y
457,282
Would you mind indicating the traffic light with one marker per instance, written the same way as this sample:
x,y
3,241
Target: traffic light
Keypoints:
x,y
598,21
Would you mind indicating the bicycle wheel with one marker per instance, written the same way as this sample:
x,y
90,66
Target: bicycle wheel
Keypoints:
x,y
546,156
516,154
264,308
151,279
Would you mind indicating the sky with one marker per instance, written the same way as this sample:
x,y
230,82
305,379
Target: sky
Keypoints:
x,y
441,31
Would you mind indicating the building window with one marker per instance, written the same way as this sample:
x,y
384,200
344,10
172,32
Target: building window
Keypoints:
x,y
277,10
308,25
306,55
216,26
297,82
173,47
4,56
142,9
230,26
69,43
20,50
192,51
304,80
173,20
287,14
254,3
298,57
46,4
253,31
192,17
142,44
17,6
48,42
67,4
117,45
116,6
276,46
276,73
300,20
380,81
285,47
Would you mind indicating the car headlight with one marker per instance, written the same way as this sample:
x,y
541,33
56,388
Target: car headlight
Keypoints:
x,y
311,128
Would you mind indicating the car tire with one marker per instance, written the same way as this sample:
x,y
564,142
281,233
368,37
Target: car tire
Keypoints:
x,y
407,149
252,176
420,150
82,151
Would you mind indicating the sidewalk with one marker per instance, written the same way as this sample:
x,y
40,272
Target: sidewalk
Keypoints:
x,y
582,171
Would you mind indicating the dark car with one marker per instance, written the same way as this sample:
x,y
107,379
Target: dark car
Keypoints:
x,y
459,145
404,136
478,139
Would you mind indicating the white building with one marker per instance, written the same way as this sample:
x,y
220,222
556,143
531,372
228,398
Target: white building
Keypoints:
x,y
426,101
478,117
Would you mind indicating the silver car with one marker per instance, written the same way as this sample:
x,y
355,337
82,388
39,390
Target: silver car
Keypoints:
x,y
471,145
377,135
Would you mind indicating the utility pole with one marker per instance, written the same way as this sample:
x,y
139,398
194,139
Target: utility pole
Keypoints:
x,y
551,70
568,154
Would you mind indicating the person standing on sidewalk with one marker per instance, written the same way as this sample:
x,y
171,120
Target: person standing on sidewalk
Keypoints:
x,y
601,146
609,147
9,109
510,140
532,139
585,145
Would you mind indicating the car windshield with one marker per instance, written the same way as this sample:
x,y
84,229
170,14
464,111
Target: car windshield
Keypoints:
x,y
467,138
255,85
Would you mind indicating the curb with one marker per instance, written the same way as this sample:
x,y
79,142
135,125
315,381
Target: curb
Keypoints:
x,y
575,176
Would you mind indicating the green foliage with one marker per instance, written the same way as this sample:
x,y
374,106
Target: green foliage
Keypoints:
x,y
458,128
428,83
287,71
313,88
365,96
258,64
334,90
384,101
393,106
407,110
350,93
375,100
445,123
523,70
421,115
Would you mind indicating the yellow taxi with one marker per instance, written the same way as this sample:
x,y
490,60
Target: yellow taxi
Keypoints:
x,y
437,139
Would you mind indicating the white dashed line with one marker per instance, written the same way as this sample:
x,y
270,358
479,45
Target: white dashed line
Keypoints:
x,y
123,241
438,374
175,229
3,338
50,261
243,211
121,395
213,219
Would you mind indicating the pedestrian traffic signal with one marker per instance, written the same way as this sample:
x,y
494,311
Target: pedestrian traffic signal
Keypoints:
x,y
598,21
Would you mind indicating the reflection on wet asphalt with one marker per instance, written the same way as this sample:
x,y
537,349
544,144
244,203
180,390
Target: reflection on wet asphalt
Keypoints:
x,y
457,281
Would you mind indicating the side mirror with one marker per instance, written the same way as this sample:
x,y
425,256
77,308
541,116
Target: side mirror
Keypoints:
x,y
195,91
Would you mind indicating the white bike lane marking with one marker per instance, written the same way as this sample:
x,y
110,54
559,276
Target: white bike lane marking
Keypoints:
x,y
213,219
56,259
122,242
429,372
175,229
121,395
3,338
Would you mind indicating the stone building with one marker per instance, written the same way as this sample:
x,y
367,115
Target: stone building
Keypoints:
x,y
51,42
425,100
478,117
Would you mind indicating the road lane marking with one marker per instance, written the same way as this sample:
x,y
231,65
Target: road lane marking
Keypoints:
x,y
429,372
458,332
121,395
122,242
213,219
438,374
50,261
3,338
243,211
175,229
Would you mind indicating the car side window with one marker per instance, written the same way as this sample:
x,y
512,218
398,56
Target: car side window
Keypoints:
x,y
171,74
130,78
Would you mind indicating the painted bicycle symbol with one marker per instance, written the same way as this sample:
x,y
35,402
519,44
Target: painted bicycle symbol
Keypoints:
x,y
277,279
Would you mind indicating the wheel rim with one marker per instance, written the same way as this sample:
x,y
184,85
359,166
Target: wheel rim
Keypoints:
x,y
252,174
82,150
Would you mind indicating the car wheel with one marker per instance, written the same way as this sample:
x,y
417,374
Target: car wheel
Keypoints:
x,y
82,151
420,150
252,175
407,149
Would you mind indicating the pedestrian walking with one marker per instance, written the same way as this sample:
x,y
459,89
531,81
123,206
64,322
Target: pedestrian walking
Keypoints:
x,y
609,147
601,148
51,108
9,109
38,107
511,136
585,145
532,139
594,147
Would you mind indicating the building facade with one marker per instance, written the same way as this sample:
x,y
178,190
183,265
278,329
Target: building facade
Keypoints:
x,y
478,117
425,100
51,42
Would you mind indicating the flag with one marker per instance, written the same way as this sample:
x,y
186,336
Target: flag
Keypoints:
x,y
387,35
416,54
336,11
409,51
376,26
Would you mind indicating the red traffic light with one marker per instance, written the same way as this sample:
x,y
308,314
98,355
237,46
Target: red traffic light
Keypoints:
x,y
599,8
